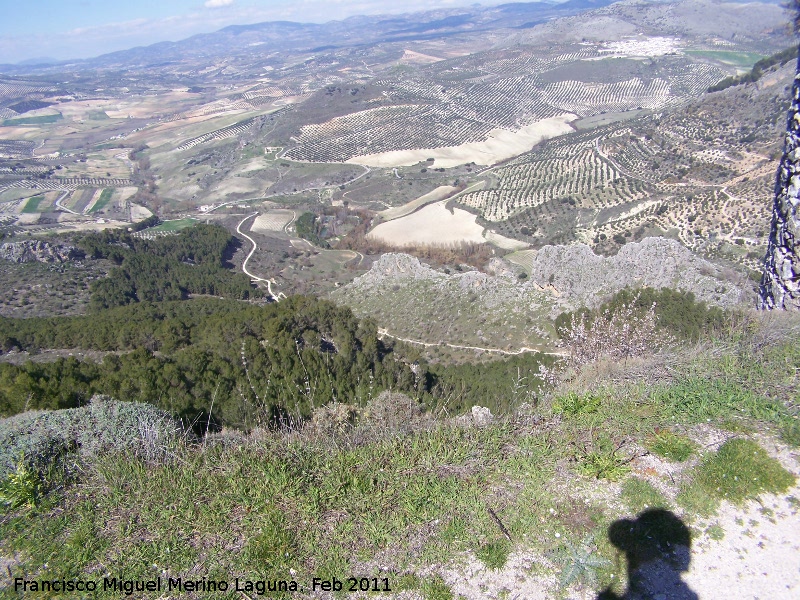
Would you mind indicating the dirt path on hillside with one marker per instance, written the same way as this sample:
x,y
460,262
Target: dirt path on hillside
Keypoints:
x,y
383,332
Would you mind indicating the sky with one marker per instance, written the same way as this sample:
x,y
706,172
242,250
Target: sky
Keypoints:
x,y
69,29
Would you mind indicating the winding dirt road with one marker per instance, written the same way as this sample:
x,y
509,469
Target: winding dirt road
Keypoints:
x,y
269,282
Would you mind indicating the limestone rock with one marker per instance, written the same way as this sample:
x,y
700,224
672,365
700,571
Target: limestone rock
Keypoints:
x,y
578,274
39,251
780,284
482,416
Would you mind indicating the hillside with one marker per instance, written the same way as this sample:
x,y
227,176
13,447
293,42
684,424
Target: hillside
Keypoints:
x,y
422,506
224,119
448,305
510,310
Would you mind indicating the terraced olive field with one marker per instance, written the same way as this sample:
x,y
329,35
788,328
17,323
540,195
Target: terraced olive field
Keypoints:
x,y
702,174
432,108
595,126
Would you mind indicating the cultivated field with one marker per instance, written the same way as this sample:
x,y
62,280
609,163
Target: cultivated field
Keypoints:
x,y
689,174
272,221
441,192
499,145
432,224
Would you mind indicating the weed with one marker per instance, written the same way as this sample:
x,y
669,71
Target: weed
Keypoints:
x,y
638,494
494,554
579,563
741,470
21,488
272,550
735,425
672,446
406,581
696,501
715,532
602,461
790,433
697,399
573,405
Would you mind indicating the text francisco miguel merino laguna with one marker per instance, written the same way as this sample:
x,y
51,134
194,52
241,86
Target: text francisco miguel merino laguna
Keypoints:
x,y
260,587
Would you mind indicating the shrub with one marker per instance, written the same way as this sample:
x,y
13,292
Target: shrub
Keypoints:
x,y
618,334
46,439
333,419
677,312
392,412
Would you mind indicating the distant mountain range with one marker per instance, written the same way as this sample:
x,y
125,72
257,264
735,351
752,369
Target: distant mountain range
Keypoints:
x,y
286,36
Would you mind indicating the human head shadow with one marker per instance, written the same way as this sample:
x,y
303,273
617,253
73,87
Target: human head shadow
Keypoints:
x,y
657,546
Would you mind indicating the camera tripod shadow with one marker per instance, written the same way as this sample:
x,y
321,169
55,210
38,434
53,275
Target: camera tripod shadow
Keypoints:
x,y
657,546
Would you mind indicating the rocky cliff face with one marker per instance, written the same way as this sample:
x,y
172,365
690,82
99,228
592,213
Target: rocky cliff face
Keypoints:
x,y
39,251
573,276
497,310
780,285
580,277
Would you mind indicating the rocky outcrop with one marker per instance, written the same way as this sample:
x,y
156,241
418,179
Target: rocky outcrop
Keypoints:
x,y
780,284
39,251
571,275
579,275
500,311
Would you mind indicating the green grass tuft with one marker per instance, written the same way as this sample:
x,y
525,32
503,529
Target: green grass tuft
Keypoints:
x,y
20,488
602,460
436,589
574,405
696,501
494,554
672,446
698,399
741,470
790,433
638,494
715,532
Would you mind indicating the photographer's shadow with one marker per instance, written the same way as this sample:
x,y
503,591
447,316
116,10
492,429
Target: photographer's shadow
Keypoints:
x,y
657,546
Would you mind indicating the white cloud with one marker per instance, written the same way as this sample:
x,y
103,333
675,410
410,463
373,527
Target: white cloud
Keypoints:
x,y
217,3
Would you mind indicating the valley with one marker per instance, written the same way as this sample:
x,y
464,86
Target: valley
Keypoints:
x,y
460,300
460,148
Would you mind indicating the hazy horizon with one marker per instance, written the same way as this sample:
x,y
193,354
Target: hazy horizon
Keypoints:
x,y
64,30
